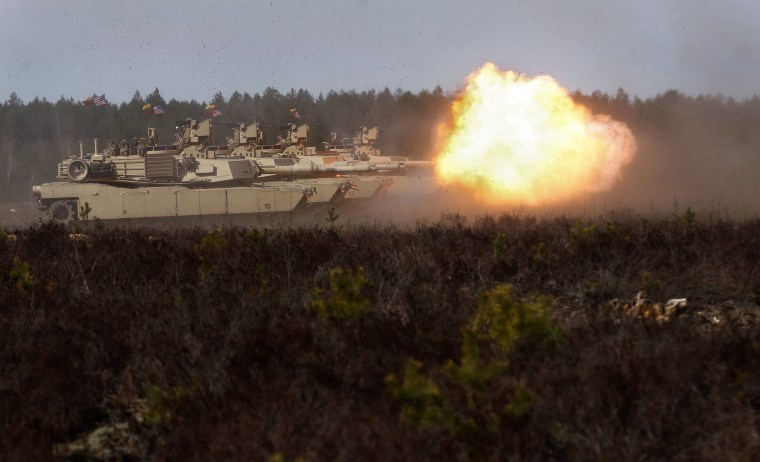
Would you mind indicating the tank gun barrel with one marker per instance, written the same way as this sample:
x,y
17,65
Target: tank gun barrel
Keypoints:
x,y
278,127
420,163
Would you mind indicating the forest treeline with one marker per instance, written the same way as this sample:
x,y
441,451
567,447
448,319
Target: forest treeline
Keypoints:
x,y
686,144
35,135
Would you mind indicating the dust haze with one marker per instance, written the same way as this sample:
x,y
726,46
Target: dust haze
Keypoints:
x,y
699,153
692,152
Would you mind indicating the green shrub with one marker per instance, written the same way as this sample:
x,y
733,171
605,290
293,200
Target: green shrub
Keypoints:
x,y
422,403
209,244
84,211
21,273
160,402
613,228
518,409
279,457
472,373
580,235
502,319
689,218
332,216
213,240
541,252
499,246
345,300
259,237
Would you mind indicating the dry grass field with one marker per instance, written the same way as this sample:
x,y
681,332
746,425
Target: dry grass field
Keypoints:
x,y
498,338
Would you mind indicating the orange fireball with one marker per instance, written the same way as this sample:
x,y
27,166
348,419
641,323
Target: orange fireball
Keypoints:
x,y
516,140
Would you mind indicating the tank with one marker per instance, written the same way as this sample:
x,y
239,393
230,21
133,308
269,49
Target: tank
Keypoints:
x,y
140,180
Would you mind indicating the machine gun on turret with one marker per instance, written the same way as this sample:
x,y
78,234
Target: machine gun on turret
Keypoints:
x,y
294,141
194,136
248,140
364,143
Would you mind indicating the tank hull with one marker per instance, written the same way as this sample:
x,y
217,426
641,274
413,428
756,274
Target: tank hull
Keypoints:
x,y
68,201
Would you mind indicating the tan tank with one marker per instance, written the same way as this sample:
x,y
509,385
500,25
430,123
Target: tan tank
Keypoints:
x,y
142,180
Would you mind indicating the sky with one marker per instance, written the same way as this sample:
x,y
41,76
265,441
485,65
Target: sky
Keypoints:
x,y
192,49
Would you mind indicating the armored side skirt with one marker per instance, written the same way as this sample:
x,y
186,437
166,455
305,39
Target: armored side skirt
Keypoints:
x,y
69,201
110,202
